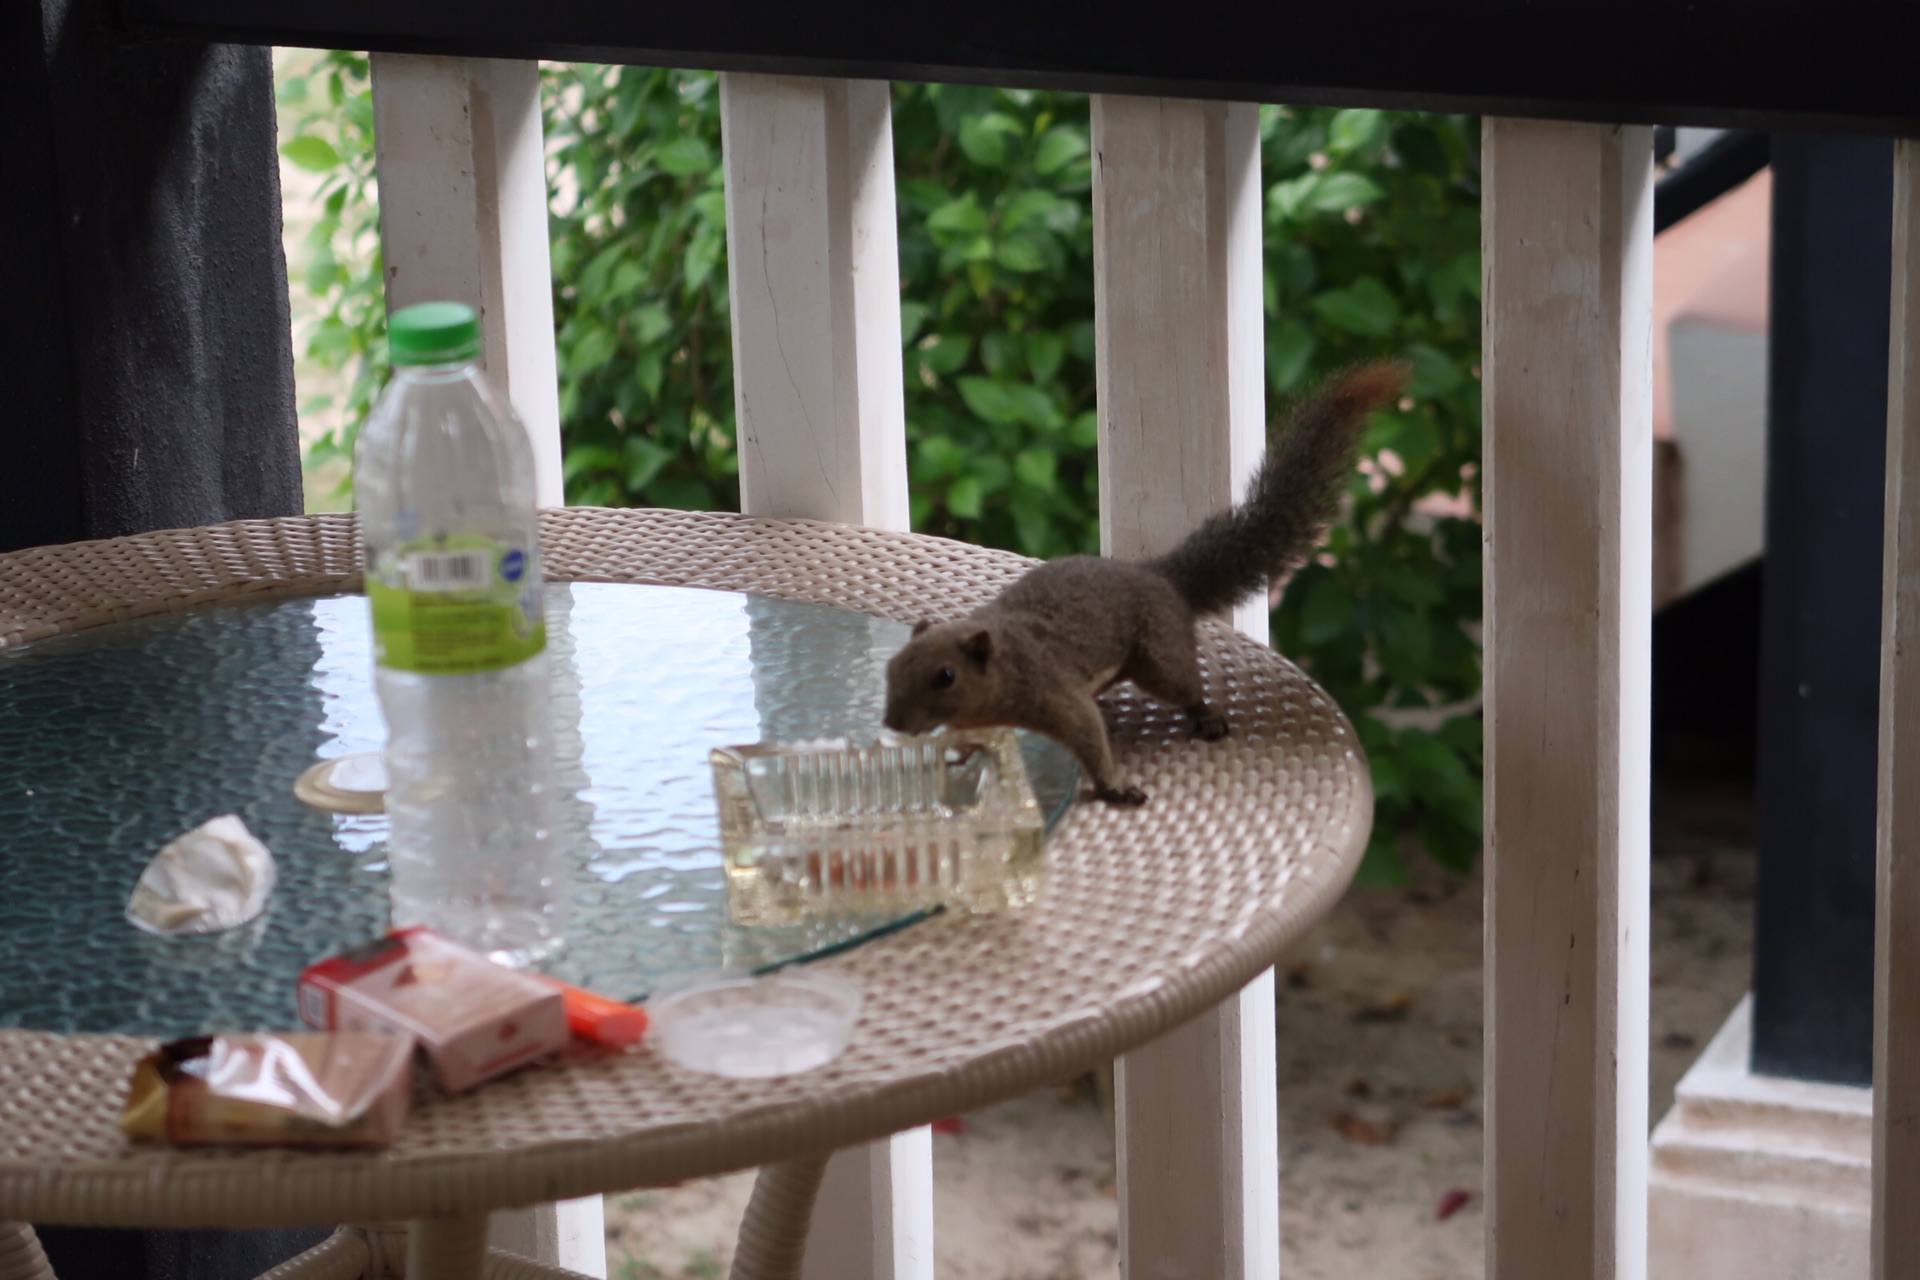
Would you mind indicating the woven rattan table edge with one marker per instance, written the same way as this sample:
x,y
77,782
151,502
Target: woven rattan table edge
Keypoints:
x,y
186,1190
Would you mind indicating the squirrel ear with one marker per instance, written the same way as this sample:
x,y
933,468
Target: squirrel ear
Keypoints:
x,y
978,646
920,627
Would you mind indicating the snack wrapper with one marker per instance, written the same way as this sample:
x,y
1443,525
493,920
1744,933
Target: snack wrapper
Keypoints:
x,y
474,1018
272,1090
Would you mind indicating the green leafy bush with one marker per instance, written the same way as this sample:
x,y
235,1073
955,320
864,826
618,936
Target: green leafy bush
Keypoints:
x,y
1372,248
338,292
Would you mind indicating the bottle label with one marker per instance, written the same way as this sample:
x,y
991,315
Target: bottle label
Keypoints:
x,y
456,606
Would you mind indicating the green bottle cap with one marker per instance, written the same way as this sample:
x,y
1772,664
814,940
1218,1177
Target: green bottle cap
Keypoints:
x,y
434,333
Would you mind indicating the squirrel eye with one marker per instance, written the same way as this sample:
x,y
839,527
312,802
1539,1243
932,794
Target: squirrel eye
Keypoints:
x,y
943,678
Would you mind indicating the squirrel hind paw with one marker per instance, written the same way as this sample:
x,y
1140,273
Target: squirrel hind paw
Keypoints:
x,y
1122,797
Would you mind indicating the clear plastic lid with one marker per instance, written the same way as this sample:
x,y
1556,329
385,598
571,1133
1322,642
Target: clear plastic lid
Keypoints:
x,y
750,1028
346,784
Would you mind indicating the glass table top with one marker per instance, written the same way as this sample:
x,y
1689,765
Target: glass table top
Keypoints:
x,y
115,739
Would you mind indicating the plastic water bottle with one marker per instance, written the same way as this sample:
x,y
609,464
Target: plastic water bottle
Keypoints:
x,y
444,478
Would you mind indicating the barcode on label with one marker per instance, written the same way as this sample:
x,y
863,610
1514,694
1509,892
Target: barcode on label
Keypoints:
x,y
448,570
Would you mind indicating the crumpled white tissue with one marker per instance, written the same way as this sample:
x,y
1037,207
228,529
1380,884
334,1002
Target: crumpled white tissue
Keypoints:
x,y
214,877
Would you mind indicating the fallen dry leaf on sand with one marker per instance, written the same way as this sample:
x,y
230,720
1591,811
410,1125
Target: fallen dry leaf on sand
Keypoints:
x,y
1393,1009
1354,1129
1450,1204
1446,1100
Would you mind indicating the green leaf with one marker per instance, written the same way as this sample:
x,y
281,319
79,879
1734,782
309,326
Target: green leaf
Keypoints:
x,y
1288,199
1419,150
703,254
962,217
1365,308
987,398
1388,782
946,353
1356,130
645,459
1410,588
1000,352
1327,613
1464,734
912,316
1045,352
1029,404
1035,467
684,156
323,272
983,143
1434,372
1417,440
681,494
586,458
1466,270
316,155
955,102
1031,523
1289,349
940,456
592,350
1338,192
992,471
964,497
1020,255
1060,145
1406,635
1451,843
650,371
651,323
1380,866
1080,340
1084,430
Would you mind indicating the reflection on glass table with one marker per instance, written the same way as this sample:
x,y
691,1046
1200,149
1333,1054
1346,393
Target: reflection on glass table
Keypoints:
x,y
115,739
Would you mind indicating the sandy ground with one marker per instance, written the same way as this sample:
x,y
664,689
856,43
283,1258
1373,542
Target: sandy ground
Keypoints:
x,y
1379,1014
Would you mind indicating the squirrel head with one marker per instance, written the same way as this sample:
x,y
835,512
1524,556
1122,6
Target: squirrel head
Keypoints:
x,y
946,674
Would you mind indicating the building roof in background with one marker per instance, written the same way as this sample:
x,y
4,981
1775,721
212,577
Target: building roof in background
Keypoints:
x,y
1711,267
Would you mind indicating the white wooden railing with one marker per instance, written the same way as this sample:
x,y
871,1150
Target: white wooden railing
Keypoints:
x,y
1568,238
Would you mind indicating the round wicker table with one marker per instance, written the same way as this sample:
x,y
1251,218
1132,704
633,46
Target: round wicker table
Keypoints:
x,y
1148,917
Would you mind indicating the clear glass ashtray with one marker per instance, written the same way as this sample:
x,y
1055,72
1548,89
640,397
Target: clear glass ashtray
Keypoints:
x,y
753,1028
905,824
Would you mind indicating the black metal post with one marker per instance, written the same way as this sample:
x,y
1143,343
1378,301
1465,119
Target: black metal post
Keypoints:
x,y
1820,629
146,363
146,371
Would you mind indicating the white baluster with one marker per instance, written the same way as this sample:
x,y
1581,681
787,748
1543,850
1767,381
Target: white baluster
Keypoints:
x,y
1568,239
1178,317
463,218
814,276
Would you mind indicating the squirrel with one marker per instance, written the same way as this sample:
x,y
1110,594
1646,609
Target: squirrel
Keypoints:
x,y
1036,655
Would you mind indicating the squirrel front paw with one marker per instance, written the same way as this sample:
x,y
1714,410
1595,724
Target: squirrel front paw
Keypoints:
x,y
1122,797
1210,728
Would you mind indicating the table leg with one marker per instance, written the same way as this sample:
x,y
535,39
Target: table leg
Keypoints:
x,y
447,1248
571,1235
773,1236
21,1257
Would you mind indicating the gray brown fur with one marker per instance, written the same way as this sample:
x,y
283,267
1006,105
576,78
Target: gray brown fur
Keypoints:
x,y
1037,654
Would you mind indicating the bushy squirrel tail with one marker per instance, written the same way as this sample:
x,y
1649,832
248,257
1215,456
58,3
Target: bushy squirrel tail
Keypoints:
x,y
1294,497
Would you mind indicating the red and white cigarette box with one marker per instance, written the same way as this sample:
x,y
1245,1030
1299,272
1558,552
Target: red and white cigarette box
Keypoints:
x,y
475,1019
